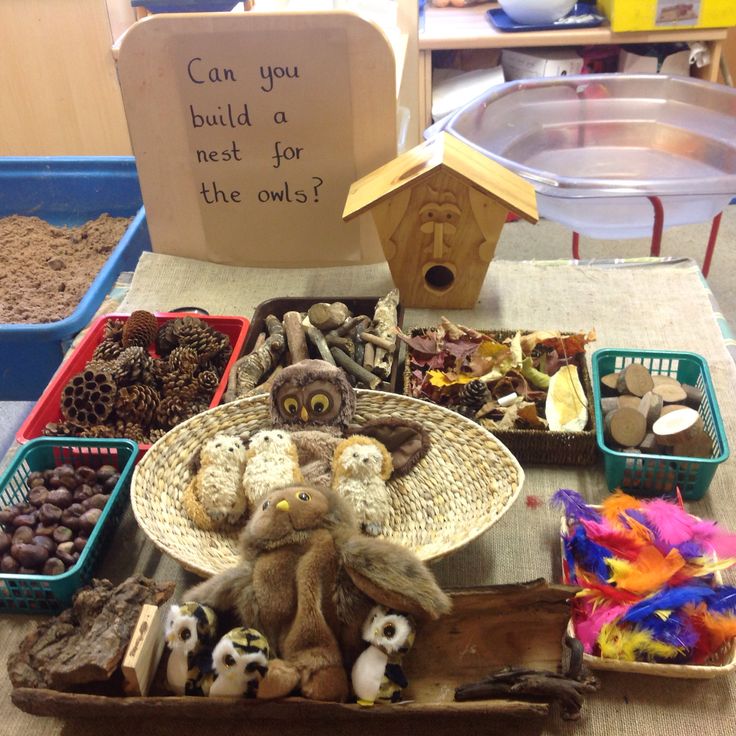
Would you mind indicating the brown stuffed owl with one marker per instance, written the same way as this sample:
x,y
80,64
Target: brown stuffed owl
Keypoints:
x,y
314,401
307,580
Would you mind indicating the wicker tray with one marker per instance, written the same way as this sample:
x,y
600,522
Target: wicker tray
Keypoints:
x,y
537,445
464,484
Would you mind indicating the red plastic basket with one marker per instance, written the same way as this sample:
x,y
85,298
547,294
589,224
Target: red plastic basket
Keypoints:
x,y
48,409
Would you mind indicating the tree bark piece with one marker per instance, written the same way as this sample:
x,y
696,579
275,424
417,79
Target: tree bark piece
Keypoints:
x,y
295,339
627,427
677,427
384,325
670,393
635,379
347,363
85,643
326,316
247,371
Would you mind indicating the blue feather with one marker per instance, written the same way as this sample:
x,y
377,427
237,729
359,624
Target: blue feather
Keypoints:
x,y
675,629
670,599
574,505
724,600
690,549
589,555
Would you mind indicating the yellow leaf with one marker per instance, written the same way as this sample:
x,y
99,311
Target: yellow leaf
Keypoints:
x,y
441,380
491,348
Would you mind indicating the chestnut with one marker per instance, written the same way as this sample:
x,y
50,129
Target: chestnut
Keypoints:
x,y
79,544
31,555
84,491
62,534
45,530
23,535
109,485
69,480
66,558
66,548
46,542
7,515
49,514
33,476
87,475
25,520
104,472
88,520
9,564
97,501
53,566
38,495
5,542
62,497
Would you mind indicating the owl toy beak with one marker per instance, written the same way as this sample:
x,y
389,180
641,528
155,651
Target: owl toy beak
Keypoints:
x,y
283,505
303,415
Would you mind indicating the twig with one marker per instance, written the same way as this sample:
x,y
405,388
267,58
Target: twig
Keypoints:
x,y
318,340
348,364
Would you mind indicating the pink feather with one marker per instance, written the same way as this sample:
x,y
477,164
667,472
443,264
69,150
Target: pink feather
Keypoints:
x,y
622,542
673,524
590,621
715,539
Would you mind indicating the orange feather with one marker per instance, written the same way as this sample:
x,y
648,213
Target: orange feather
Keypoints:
x,y
648,572
615,505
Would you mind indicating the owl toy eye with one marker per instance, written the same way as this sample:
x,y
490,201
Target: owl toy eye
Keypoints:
x,y
291,406
185,634
389,631
228,660
319,403
251,667
266,504
303,496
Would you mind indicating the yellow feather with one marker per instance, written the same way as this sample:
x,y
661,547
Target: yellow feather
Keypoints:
x,y
632,645
648,572
698,566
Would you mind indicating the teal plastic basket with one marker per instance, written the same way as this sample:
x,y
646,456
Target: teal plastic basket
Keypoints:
x,y
657,475
51,593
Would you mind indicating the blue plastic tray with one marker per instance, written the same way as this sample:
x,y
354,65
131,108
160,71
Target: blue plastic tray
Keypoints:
x,y
66,191
185,6
582,15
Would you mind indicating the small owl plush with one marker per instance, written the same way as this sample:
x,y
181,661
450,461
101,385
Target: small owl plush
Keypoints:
x,y
377,673
215,494
190,632
360,468
271,462
240,661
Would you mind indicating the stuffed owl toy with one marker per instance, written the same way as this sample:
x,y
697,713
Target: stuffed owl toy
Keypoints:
x,y
314,401
215,496
240,662
271,462
377,673
360,468
307,579
190,634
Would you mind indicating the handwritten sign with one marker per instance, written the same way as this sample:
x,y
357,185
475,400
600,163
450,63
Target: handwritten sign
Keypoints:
x,y
249,129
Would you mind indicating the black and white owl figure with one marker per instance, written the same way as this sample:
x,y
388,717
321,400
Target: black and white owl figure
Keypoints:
x,y
191,631
240,661
377,673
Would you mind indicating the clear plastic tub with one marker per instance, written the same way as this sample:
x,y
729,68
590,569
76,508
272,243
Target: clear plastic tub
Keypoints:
x,y
596,146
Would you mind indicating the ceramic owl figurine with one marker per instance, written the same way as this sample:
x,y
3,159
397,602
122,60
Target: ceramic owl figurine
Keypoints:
x,y
377,673
215,496
307,580
240,662
271,462
360,468
190,632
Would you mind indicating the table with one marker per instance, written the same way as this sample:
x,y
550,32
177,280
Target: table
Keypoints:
x,y
648,304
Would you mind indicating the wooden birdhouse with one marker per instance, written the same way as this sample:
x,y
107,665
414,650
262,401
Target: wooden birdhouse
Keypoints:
x,y
439,210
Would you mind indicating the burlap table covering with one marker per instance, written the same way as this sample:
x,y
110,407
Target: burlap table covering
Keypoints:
x,y
654,305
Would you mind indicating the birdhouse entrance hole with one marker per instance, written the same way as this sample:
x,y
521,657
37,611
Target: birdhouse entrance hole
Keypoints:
x,y
439,277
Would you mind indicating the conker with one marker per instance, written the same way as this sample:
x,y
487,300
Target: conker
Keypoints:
x,y
109,485
23,535
70,520
9,564
62,534
61,497
66,557
69,480
45,530
5,542
53,566
88,520
38,495
65,548
86,474
97,501
31,555
104,472
33,476
79,544
49,514
54,481
46,542
25,520
84,491
36,482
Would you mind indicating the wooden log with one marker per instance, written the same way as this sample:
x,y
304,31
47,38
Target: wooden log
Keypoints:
x,y
694,396
649,444
635,379
348,364
669,408
677,427
650,405
384,325
670,393
629,401
660,379
610,380
318,340
326,316
699,444
627,427
295,339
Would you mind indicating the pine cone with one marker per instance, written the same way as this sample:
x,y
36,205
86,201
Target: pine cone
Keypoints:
x,y
101,431
166,340
183,360
465,411
199,336
131,430
172,411
208,383
134,365
107,350
114,330
62,429
474,394
140,329
179,384
88,398
137,404
155,434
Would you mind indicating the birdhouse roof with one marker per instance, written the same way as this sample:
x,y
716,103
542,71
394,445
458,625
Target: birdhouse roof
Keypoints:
x,y
451,155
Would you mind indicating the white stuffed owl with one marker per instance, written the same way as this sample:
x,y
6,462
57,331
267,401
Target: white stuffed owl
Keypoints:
x,y
215,494
377,673
190,633
240,662
271,463
360,468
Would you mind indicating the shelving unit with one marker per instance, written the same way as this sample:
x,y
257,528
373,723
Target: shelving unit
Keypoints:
x,y
468,28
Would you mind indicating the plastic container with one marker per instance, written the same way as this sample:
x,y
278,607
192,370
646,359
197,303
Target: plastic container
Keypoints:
x,y
66,191
596,146
657,15
280,305
655,475
47,408
50,593
184,6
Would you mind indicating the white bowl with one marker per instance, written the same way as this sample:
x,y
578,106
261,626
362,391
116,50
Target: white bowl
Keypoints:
x,y
533,12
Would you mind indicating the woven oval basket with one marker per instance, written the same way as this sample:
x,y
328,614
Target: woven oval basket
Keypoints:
x,y
464,484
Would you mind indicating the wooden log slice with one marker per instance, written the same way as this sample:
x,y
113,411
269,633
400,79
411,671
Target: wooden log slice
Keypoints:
x,y
627,427
609,404
694,395
610,380
698,445
649,444
629,401
660,379
677,427
650,405
670,393
635,379
669,408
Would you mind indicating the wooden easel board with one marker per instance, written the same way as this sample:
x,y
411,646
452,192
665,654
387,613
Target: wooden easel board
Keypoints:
x,y
249,129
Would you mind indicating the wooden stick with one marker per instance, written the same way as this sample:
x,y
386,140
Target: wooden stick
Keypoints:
x,y
368,356
350,325
344,343
318,340
348,364
384,325
248,370
388,345
295,338
259,341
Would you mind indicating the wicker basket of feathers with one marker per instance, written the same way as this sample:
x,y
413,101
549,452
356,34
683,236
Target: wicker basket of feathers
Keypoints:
x,y
464,484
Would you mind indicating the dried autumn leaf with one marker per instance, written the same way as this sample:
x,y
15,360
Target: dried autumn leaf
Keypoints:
x,y
440,379
426,344
528,413
460,349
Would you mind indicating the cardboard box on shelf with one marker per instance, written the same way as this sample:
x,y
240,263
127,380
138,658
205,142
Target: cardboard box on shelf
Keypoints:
x,y
543,62
657,15
677,62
